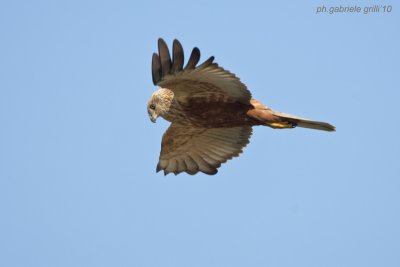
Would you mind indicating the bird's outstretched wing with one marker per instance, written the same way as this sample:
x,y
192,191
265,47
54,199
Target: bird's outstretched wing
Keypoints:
x,y
188,149
204,81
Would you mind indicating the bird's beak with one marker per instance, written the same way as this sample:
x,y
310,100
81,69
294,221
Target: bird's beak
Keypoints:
x,y
153,118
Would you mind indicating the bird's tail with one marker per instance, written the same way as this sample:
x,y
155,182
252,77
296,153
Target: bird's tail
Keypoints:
x,y
294,121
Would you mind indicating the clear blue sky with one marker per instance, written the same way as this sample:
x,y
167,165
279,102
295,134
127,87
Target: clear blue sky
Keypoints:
x,y
78,152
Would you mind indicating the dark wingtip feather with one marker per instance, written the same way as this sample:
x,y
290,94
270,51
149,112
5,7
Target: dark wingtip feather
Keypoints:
x,y
207,63
194,59
165,58
178,56
158,167
213,172
156,68
162,65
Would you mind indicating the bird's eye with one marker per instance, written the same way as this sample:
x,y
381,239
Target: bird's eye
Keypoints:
x,y
152,106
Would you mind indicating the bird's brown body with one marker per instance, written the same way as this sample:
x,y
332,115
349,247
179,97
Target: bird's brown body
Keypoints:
x,y
216,111
210,110
210,113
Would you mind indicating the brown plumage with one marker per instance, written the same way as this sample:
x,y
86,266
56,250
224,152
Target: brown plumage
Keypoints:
x,y
210,110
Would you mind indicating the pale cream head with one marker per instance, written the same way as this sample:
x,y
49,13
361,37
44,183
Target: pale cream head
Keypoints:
x,y
159,103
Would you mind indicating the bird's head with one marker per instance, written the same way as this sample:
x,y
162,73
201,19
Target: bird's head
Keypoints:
x,y
159,103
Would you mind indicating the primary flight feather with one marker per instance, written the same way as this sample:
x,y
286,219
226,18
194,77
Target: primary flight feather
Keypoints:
x,y
211,112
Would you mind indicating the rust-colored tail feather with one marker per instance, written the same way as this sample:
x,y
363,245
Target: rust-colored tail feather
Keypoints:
x,y
305,123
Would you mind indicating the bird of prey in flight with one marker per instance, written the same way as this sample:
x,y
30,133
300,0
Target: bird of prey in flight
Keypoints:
x,y
211,112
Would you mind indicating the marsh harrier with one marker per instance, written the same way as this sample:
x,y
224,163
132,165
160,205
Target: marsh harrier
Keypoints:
x,y
211,112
